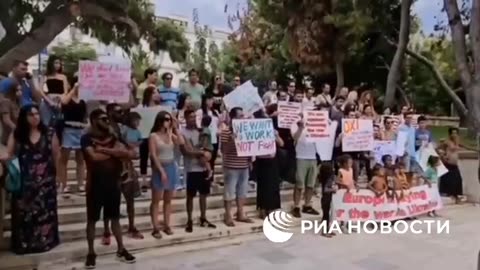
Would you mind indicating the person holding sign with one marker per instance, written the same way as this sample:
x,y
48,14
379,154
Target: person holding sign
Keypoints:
x,y
235,170
307,170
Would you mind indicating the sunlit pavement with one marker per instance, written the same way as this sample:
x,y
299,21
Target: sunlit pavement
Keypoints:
x,y
457,250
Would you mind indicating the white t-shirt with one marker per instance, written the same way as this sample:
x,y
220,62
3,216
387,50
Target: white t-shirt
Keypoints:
x,y
304,149
270,98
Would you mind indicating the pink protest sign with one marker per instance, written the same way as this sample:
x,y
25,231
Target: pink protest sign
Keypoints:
x,y
104,81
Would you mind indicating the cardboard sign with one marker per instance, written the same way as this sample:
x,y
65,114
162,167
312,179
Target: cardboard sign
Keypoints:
x,y
254,137
148,115
401,143
422,156
246,97
104,81
288,113
316,125
382,148
325,145
365,205
357,135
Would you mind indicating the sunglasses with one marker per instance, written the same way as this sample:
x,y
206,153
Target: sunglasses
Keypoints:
x,y
103,118
167,119
168,79
217,79
237,80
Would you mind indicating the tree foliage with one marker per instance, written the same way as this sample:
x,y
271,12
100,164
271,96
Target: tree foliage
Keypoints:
x,y
141,61
72,53
31,25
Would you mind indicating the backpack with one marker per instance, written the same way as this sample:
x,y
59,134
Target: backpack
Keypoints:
x,y
13,181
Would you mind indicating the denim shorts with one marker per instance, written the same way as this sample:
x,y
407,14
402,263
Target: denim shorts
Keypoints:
x,y
172,177
71,138
236,183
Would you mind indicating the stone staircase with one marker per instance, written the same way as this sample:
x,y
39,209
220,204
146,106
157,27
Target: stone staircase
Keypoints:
x,y
72,219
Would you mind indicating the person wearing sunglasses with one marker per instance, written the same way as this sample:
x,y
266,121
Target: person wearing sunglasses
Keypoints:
x,y
104,155
168,94
237,81
389,133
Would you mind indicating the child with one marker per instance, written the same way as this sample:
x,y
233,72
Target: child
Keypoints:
x,y
389,169
401,182
345,173
431,176
205,144
132,136
378,184
327,180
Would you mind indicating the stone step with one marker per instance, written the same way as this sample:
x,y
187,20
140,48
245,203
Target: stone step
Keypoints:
x,y
76,251
74,210
72,164
76,231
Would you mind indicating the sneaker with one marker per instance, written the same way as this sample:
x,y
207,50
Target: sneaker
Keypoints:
x,y
125,257
296,212
91,262
309,210
106,239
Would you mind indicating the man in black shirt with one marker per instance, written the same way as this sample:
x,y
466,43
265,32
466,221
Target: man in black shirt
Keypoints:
x,y
103,154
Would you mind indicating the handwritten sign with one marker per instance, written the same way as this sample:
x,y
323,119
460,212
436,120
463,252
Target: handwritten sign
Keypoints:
x,y
288,113
246,97
364,205
382,148
254,137
148,115
422,156
104,81
357,135
325,145
316,125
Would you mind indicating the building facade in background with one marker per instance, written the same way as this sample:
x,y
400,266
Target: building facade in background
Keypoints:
x,y
113,53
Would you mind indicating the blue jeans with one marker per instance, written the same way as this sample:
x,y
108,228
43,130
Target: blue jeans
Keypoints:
x,y
236,183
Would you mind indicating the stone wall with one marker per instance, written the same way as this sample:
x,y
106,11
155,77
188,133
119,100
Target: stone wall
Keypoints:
x,y
469,168
444,121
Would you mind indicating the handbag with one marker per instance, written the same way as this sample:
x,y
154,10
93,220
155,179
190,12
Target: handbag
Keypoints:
x,y
13,181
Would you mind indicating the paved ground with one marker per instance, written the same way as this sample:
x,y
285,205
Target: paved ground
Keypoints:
x,y
458,250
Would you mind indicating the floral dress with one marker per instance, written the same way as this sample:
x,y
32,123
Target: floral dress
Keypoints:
x,y
34,209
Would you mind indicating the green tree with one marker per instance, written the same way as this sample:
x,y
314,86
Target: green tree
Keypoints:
x,y
141,61
31,25
72,53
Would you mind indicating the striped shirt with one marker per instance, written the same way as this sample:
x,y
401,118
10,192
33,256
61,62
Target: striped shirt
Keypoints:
x,y
230,158
169,96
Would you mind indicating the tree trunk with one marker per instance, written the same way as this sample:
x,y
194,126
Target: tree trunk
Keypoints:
x,y
340,75
36,40
395,67
470,84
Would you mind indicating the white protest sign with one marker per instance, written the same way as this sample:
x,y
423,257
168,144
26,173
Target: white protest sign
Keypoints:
x,y
382,148
246,97
364,205
104,81
254,137
288,113
422,156
401,143
325,145
148,115
316,125
357,135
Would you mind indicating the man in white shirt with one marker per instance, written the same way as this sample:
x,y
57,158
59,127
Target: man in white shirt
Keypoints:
x,y
324,98
307,170
270,97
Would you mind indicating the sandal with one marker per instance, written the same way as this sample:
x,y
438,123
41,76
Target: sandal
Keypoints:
x,y
245,220
204,221
135,234
167,230
106,239
229,223
189,227
156,234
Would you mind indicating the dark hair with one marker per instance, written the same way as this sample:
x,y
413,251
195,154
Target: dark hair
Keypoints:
x,y
191,71
452,129
233,112
96,114
205,110
366,106
386,119
131,118
206,121
433,161
22,131
51,65
187,113
421,118
111,106
349,108
260,114
164,75
385,157
407,113
298,91
16,63
340,98
181,101
271,108
343,159
147,95
159,120
376,168
149,71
